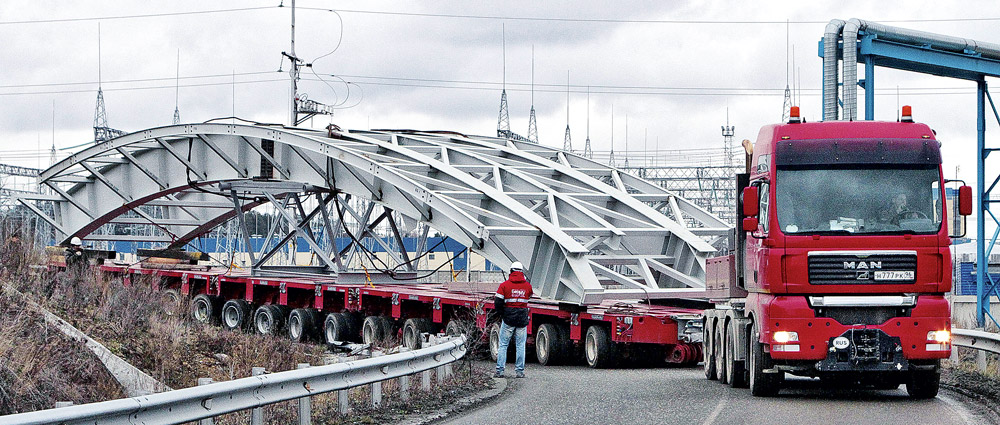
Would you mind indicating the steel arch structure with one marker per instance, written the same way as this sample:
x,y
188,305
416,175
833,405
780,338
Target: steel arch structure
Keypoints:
x,y
586,232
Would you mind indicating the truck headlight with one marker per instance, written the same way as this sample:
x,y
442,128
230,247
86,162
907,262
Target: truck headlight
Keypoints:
x,y
939,336
782,337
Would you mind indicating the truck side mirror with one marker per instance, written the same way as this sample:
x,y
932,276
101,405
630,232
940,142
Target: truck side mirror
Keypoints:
x,y
751,202
965,200
750,224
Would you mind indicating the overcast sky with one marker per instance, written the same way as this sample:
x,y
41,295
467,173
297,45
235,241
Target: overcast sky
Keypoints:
x,y
673,79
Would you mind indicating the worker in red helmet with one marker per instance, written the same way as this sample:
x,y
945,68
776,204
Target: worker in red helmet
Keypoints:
x,y
511,305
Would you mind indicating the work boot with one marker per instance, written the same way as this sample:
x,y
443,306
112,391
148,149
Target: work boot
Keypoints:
x,y
498,375
520,374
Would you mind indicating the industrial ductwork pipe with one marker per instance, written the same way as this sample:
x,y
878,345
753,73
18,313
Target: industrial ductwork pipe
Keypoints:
x,y
885,32
830,80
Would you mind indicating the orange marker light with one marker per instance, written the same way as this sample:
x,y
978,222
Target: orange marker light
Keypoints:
x,y
907,114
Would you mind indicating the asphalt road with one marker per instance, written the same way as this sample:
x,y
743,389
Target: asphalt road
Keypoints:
x,y
579,395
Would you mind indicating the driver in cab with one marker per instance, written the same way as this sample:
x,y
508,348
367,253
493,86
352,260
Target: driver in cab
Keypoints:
x,y
898,209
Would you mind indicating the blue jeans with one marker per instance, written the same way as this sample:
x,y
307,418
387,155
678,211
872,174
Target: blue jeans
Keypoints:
x,y
520,338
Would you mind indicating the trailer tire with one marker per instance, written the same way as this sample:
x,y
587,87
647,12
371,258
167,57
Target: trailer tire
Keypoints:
x,y
456,327
302,324
550,345
494,341
761,384
719,347
375,329
267,320
236,315
388,329
736,370
171,298
335,328
205,309
354,320
708,354
923,384
599,350
413,330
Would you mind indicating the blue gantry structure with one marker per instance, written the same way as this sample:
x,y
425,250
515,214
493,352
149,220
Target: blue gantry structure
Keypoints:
x,y
874,45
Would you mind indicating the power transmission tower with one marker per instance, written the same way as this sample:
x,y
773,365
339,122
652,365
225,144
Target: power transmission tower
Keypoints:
x,y
503,123
611,158
567,140
727,135
532,126
587,151
177,90
101,130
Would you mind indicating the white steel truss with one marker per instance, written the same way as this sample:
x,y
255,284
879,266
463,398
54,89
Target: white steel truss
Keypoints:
x,y
586,232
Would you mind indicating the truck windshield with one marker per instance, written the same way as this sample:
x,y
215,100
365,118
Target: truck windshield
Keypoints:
x,y
858,200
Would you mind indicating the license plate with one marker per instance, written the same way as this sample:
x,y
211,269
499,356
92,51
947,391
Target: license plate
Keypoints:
x,y
894,275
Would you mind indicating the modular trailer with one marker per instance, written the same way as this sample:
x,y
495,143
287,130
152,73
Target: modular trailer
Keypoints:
x,y
318,309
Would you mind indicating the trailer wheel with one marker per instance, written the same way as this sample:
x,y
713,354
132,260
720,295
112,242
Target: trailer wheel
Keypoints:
x,y
205,309
171,298
302,324
335,328
761,384
412,332
719,347
456,327
708,353
353,320
494,341
388,329
267,320
599,351
550,346
736,370
923,384
375,329
236,315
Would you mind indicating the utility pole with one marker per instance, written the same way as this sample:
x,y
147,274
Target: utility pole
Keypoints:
x,y
293,76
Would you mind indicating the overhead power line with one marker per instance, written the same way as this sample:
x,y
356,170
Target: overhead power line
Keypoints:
x,y
475,16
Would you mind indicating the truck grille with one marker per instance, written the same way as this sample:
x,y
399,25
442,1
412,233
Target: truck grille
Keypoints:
x,y
862,268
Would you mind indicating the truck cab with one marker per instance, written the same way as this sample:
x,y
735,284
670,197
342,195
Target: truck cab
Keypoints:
x,y
842,263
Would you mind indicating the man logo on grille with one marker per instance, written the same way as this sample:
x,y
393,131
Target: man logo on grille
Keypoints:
x,y
862,265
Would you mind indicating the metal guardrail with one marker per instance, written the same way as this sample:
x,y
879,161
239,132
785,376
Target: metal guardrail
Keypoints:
x,y
211,400
980,340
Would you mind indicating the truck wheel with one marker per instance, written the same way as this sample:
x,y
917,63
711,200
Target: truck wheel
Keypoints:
x,y
736,370
388,329
375,329
412,332
494,341
267,320
456,327
550,346
719,347
599,351
761,384
236,315
708,354
302,324
335,328
923,384
171,298
354,321
205,309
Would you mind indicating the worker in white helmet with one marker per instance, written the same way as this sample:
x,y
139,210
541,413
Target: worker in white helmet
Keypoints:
x,y
511,305
76,256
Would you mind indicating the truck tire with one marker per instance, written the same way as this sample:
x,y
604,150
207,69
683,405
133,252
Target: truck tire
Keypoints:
x,y
761,384
171,298
268,320
236,315
736,370
354,320
494,341
302,324
923,384
708,355
335,328
719,346
550,345
413,330
599,350
388,329
375,330
205,309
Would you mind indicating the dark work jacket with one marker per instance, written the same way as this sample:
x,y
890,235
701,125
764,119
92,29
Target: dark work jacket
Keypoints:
x,y
511,302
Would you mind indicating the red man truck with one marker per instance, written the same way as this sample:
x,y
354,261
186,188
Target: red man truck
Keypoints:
x,y
841,262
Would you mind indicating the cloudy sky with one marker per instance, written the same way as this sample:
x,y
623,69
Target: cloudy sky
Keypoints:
x,y
671,67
